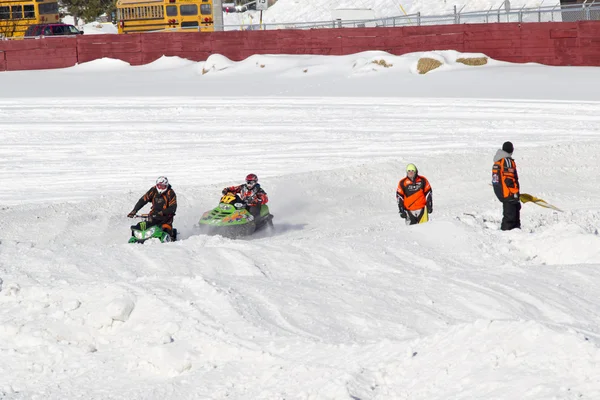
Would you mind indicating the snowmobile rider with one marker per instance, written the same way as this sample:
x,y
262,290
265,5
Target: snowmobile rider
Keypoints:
x,y
505,181
164,204
251,193
413,195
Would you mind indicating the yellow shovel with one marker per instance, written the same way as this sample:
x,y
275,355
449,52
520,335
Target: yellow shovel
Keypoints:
x,y
526,198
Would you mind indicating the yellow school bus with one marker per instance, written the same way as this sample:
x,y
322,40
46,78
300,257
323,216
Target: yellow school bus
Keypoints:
x,y
17,15
157,15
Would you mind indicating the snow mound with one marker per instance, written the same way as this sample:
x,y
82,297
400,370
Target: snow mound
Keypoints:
x,y
354,64
166,62
216,63
103,64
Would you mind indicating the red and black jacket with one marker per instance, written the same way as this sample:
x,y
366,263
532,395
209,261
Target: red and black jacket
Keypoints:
x,y
253,197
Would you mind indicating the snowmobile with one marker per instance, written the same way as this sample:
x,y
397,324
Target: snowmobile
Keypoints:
x,y
232,219
146,230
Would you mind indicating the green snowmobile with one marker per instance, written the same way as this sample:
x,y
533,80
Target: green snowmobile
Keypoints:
x,y
232,219
146,230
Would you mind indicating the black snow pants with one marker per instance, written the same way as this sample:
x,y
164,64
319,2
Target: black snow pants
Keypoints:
x,y
255,211
511,215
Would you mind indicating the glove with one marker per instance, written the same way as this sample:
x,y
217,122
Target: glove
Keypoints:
x,y
160,214
224,191
429,205
402,212
131,214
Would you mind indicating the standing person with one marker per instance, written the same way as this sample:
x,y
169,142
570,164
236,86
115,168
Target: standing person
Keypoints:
x,y
251,193
505,181
414,197
164,204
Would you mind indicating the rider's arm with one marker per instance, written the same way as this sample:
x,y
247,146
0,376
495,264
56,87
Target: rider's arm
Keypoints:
x,y
145,199
262,197
233,189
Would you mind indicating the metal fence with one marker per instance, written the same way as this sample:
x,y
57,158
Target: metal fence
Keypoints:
x,y
566,13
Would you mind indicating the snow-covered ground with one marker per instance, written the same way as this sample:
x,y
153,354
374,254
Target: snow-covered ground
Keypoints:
x,y
342,300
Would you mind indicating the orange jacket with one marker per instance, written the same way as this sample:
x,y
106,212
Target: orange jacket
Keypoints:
x,y
413,195
505,179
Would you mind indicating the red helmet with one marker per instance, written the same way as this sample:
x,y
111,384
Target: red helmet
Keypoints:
x,y
251,180
252,177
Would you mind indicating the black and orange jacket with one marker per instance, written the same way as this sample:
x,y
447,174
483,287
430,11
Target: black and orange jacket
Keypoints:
x,y
413,194
254,197
505,179
165,202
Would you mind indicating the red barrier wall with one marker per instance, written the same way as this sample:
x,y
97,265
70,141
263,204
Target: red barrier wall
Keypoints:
x,y
123,47
552,43
39,54
2,61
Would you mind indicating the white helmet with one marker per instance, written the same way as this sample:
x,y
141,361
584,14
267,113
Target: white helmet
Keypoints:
x,y
162,183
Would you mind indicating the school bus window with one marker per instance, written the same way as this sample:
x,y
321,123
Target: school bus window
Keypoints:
x,y
157,12
29,11
188,9
49,8
171,11
4,12
205,9
17,12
